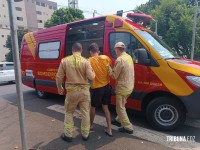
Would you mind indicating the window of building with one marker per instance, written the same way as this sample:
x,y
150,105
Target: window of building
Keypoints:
x,y
2,35
18,8
1,26
4,45
50,7
49,50
38,3
3,5
39,12
54,8
20,18
42,4
39,21
4,16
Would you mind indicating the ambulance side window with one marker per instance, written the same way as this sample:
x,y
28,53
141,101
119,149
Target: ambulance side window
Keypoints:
x,y
128,39
49,50
85,33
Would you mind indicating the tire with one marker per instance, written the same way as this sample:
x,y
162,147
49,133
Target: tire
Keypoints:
x,y
165,113
11,82
41,94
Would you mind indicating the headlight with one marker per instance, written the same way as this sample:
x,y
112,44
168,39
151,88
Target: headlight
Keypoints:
x,y
194,80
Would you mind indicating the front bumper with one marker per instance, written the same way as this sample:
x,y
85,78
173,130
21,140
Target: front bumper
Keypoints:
x,y
192,104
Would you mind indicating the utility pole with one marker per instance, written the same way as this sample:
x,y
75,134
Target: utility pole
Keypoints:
x,y
194,29
94,13
15,49
73,4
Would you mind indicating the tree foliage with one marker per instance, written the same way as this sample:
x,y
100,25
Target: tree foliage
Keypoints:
x,y
192,2
175,23
20,34
149,6
64,15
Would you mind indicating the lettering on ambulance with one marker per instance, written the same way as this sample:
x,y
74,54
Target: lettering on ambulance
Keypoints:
x,y
31,42
48,73
150,83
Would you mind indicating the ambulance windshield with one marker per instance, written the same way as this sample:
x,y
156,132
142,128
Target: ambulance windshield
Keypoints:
x,y
160,46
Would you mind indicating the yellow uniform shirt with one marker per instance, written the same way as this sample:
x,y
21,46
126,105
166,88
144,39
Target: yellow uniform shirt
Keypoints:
x,y
100,65
123,73
77,70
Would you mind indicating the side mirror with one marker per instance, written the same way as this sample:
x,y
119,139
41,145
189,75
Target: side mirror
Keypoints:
x,y
142,57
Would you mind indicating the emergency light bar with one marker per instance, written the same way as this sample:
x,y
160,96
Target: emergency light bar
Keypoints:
x,y
140,18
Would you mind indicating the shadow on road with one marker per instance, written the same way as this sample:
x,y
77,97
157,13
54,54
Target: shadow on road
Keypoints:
x,y
34,104
6,83
97,141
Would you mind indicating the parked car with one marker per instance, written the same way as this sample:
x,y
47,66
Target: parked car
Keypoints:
x,y
7,73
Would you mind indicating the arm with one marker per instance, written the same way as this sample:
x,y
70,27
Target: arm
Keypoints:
x,y
59,78
89,71
115,72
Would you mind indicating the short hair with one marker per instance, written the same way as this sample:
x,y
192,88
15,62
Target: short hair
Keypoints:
x,y
77,47
93,47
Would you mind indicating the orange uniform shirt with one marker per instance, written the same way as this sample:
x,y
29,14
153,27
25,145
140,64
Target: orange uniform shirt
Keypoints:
x,y
100,65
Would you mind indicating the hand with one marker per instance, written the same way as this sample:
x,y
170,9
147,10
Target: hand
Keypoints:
x,y
61,91
109,69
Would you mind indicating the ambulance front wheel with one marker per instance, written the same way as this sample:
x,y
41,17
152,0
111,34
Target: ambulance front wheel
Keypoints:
x,y
165,113
41,94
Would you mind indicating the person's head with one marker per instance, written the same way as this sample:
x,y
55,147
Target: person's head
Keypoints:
x,y
94,49
77,47
119,48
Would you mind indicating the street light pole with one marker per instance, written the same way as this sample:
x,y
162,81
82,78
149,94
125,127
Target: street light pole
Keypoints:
x,y
94,13
15,49
156,26
194,29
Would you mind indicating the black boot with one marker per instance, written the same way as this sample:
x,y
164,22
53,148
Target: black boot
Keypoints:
x,y
116,123
65,138
123,130
85,138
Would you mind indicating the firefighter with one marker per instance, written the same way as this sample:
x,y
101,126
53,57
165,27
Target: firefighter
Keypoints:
x,y
77,70
123,73
100,89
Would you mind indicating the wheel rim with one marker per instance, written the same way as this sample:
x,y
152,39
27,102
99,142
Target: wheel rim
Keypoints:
x,y
40,93
166,115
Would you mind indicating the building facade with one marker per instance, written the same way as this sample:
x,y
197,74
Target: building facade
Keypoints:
x,y
30,14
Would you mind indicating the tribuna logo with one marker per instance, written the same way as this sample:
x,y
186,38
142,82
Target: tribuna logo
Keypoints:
x,y
181,138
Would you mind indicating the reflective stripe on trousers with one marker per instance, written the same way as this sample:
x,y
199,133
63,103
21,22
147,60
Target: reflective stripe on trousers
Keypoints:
x,y
82,98
122,116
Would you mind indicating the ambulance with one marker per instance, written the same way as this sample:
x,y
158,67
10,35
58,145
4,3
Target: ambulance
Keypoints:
x,y
167,87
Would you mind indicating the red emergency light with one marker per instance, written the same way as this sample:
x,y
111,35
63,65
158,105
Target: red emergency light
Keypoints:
x,y
140,18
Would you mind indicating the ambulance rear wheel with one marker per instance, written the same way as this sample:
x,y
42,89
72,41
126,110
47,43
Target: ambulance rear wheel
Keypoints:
x,y
165,113
41,94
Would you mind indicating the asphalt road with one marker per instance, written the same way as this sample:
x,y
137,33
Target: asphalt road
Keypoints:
x,y
44,124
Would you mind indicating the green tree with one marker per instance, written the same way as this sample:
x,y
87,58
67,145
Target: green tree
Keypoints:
x,y
192,2
148,6
64,15
20,34
175,21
